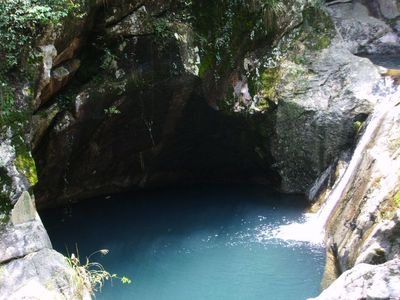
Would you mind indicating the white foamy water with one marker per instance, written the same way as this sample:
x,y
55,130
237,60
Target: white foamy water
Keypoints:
x,y
312,230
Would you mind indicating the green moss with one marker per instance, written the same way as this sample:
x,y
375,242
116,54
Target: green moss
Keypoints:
x,y
226,30
263,104
270,79
265,86
388,210
357,125
24,161
26,165
396,199
318,29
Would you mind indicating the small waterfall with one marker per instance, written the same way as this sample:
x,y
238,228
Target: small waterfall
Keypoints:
x,y
313,228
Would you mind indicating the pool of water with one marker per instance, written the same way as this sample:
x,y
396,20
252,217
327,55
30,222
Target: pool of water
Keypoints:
x,y
193,243
387,61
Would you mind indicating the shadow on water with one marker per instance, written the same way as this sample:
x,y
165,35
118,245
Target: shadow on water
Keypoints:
x,y
387,61
202,242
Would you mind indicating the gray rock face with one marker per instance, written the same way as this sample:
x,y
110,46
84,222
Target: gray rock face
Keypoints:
x,y
132,25
20,240
363,33
364,226
29,268
24,234
43,274
316,112
383,242
389,8
364,281
12,181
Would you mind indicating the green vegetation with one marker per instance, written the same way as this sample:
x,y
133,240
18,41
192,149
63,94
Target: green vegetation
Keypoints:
x,y
5,204
112,110
109,60
318,27
162,29
396,199
92,275
26,166
357,126
270,79
6,99
297,48
390,207
24,161
227,29
23,20
21,23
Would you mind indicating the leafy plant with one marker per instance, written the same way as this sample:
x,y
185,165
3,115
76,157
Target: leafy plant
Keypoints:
x,y
22,20
92,275
6,100
21,24
109,60
229,28
112,110
357,126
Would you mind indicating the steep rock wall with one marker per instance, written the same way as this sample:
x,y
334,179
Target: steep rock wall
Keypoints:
x,y
278,97
137,115
364,225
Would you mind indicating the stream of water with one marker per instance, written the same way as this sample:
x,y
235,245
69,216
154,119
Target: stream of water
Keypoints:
x,y
193,243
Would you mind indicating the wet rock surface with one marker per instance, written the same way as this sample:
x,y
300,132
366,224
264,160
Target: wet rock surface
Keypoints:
x,y
363,227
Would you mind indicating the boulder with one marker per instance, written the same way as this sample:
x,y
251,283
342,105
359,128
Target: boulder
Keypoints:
x,y
389,8
363,33
364,281
25,233
29,268
59,77
132,25
317,106
44,274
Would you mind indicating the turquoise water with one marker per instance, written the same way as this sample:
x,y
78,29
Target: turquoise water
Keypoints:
x,y
193,243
